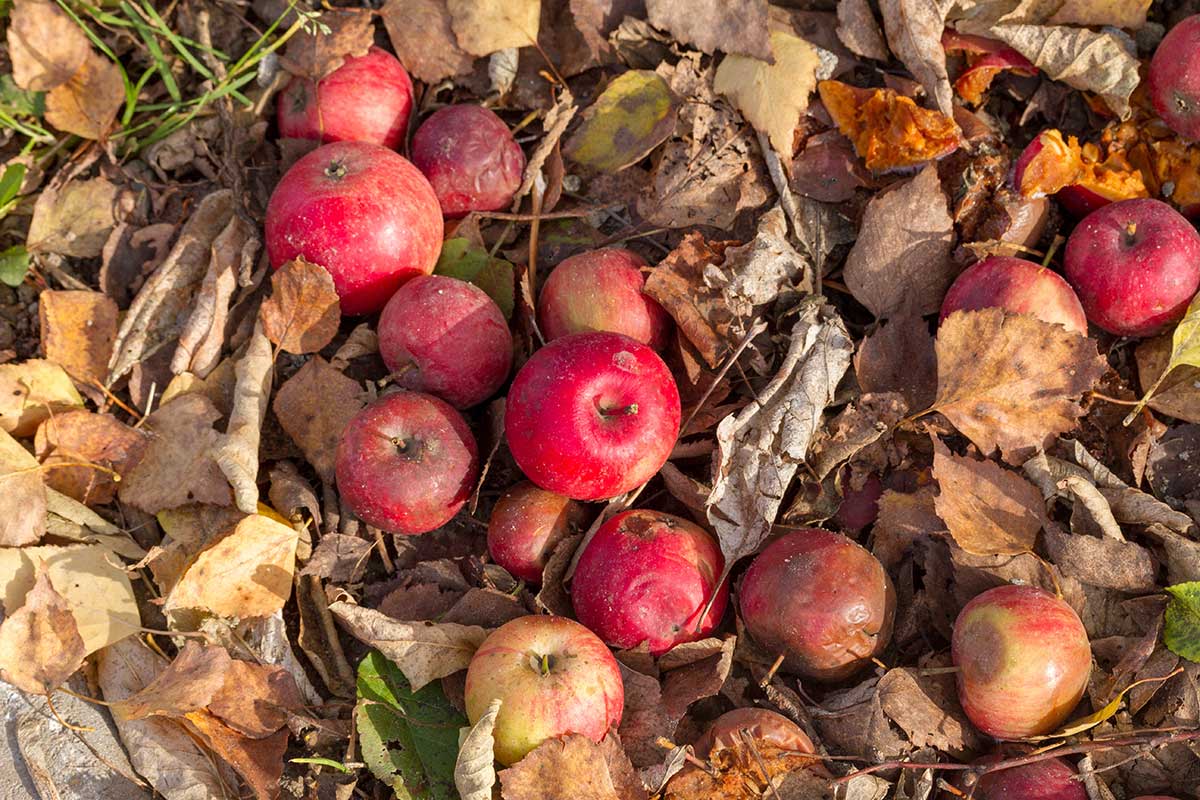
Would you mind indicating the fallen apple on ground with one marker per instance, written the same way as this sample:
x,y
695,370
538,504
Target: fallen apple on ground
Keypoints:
x,y
1174,78
1051,779
1018,286
760,724
553,677
859,507
526,525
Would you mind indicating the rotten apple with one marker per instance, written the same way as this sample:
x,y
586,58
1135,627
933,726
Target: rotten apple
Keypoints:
x,y
470,157
526,525
1018,286
367,99
648,577
446,337
1052,779
361,211
601,290
1023,661
592,415
553,677
820,600
1174,78
763,726
1082,177
406,463
1135,266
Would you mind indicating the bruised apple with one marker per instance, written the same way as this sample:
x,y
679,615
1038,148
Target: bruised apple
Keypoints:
x,y
763,726
525,526
406,463
1023,661
470,157
592,415
552,676
1052,779
647,576
821,601
1174,78
601,290
446,337
361,211
1135,266
367,99
1018,286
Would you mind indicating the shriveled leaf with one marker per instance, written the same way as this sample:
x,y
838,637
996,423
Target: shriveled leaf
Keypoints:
x,y
475,768
40,645
76,437
303,313
991,363
74,219
1181,632
314,406
72,521
188,684
320,49
467,262
633,115
45,45
899,357
735,27
420,33
246,573
859,30
901,260
31,392
23,493
1102,561
569,768
237,453
914,32
773,96
926,708
987,509
258,761
761,447
484,26
424,652
87,104
78,331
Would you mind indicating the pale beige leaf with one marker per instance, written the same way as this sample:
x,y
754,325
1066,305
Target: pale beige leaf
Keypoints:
x,y
31,392
247,573
484,26
1012,381
78,331
72,521
914,32
45,45
237,453
314,406
40,644
303,313
1129,14
731,26
773,96
423,651
74,219
189,683
568,768
420,33
22,495
988,510
859,31
87,104
475,767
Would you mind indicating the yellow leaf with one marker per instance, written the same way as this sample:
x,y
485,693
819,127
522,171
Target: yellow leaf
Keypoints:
x,y
39,644
634,115
30,392
1185,351
1082,724
484,26
87,104
23,503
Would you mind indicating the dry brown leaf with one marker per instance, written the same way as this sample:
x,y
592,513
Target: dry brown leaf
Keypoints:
x,y
1178,395
177,468
424,652
189,683
87,104
339,558
738,27
256,699
31,392
859,30
1102,561
74,219
246,573
914,32
899,357
78,331
258,761
1129,14
421,34
45,45
40,645
313,53
901,260
82,436
701,675
1012,381
314,406
302,314
484,26
570,768
988,510
23,507
643,719
237,452
925,706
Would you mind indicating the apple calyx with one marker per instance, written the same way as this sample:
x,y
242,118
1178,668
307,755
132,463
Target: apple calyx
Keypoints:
x,y
409,449
623,411
336,169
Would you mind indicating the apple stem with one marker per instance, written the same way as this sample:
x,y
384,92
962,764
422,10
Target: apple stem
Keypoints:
x,y
545,664
1052,249
1130,232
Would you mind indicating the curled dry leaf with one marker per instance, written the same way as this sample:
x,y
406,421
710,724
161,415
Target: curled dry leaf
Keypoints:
x,y
569,768
31,392
74,219
914,32
314,406
420,33
423,651
76,437
738,27
475,767
40,645
859,31
237,453
23,507
889,130
990,363
761,447
484,26
988,510
87,104
1128,14
189,683
78,331
1184,352
925,706
303,313
632,116
318,50
45,45
901,262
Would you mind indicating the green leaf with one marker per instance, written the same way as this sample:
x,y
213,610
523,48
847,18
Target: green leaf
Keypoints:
x,y
10,183
1182,630
409,739
21,102
634,115
460,259
1185,349
14,263
324,762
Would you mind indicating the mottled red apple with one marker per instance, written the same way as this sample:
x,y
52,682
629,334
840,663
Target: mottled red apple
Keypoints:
x,y
1174,78
1018,286
526,525
470,157
1052,779
859,506
646,577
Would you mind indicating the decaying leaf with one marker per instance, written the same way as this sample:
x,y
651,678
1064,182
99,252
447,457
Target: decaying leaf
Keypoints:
x,y
773,96
74,219
889,130
1128,14
258,761
570,768
899,357
1178,391
40,645
314,407
987,509
66,443
914,32
421,34
738,27
859,31
475,769
484,26
319,49
78,331
45,45
189,683
255,699
423,651
990,363
632,116
23,507
1184,352
87,104
31,392
761,447
1181,632
340,558
237,453
302,314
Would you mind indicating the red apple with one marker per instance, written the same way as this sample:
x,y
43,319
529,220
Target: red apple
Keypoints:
x,y
552,676
525,526
470,157
406,463
446,337
1075,174
361,211
1174,78
601,290
1052,779
1019,286
646,576
1135,265
367,99
765,727
859,507
592,415
821,601
1023,661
